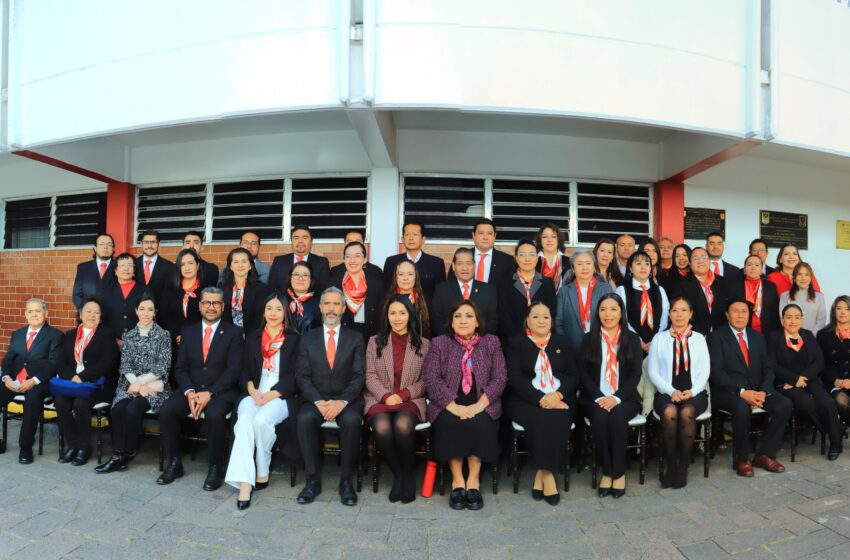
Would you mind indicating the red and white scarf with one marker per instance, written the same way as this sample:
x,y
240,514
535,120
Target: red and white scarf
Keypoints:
x,y
80,344
411,295
270,345
527,286
680,348
842,334
355,292
296,303
466,361
237,298
190,293
646,314
547,380
706,287
794,347
584,305
612,365
552,270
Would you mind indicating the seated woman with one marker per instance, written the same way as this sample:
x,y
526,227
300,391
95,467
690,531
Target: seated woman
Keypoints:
x,y
797,365
394,397
761,294
89,352
119,296
244,294
834,342
269,381
142,384
783,276
678,365
522,287
300,297
610,365
363,289
406,282
542,384
807,296
465,375
578,300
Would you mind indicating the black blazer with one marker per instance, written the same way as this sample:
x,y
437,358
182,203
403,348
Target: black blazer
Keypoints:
x,y
162,273
314,376
87,280
769,304
522,357
374,299
782,358
431,269
210,274
729,371
40,360
170,312
221,372
100,358
836,357
629,372
704,320
768,269
368,266
252,305
513,306
282,264
253,367
566,270
502,267
119,314
448,294
312,317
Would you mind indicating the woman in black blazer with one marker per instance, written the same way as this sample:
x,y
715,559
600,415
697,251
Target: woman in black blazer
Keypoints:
x,y
610,364
761,294
708,294
243,292
268,378
798,363
119,296
363,290
669,278
522,287
542,381
89,352
180,296
302,299
553,263
834,341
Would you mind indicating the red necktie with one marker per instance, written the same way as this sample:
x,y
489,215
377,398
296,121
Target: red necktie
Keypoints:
x,y
147,271
744,350
102,269
715,268
22,375
299,258
479,272
465,290
206,345
331,348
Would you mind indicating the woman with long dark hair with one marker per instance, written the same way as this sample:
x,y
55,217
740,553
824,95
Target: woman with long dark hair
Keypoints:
x,y
301,298
244,294
834,342
670,278
179,306
606,267
761,295
552,263
406,282
787,260
650,246
806,295
363,291
707,293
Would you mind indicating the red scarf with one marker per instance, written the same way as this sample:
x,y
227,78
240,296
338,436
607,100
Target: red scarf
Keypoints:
x,y
270,346
706,286
127,288
612,365
842,334
645,307
355,293
466,361
190,293
682,272
527,286
237,298
81,343
296,303
584,306
753,290
411,295
798,346
680,345
553,271
547,380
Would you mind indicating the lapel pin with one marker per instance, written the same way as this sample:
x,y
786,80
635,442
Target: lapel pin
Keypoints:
x,y
558,351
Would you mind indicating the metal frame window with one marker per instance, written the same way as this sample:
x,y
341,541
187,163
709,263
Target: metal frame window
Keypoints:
x,y
70,220
610,210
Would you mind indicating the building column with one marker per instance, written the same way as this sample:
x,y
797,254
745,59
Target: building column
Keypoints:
x,y
120,214
669,210
384,222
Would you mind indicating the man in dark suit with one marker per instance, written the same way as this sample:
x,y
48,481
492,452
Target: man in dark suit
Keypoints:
x,y
349,237
758,247
209,271
491,266
92,273
431,269
742,380
302,244
464,286
330,372
153,270
27,367
208,367
715,244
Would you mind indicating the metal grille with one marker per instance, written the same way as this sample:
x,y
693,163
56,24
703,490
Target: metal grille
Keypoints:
x,y
79,218
611,210
172,210
254,205
521,207
330,206
448,206
27,223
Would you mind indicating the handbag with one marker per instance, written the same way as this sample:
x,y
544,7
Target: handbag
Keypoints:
x,y
67,388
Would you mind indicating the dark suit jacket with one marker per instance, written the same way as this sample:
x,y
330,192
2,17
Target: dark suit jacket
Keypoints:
x,y
100,358
769,304
210,274
768,269
162,272
836,357
782,356
40,360
253,367
374,299
731,273
221,372
119,314
170,310
282,264
729,371
316,379
432,271
87,280
448,294
368,266
513,305
252,305
629,373
568,320
312,317
502,267
704,320
522,356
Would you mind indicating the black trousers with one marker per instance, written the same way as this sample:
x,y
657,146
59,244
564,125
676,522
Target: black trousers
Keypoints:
x,y
33,407
814,402
310,437
610,434
175,411
127,418
778,410
75,419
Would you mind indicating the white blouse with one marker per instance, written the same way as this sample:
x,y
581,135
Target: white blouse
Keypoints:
x,y
604,386
537,382
270,378
660,362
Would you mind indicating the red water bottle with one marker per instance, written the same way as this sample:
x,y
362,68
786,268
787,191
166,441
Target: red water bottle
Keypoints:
x,y
428,482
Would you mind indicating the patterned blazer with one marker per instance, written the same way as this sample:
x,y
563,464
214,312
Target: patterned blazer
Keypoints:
x,y
442,373
380,376
145,356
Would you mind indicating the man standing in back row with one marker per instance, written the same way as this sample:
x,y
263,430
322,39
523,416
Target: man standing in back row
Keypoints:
x,y
491,266
92,273
302,245
152,268
431,269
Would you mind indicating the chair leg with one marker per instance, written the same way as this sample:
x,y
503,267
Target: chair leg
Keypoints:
x,y
515,461
706,456
4,422
99,437
567,467
292,469
61,441
495,479
642,436
793,437
441,474
41,434
373,463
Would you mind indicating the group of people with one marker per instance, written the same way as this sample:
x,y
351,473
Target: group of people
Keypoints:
x,y
550,340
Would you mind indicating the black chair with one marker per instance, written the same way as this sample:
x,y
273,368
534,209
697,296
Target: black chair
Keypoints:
x,y
422,428
6,416
756,431
637,426
100,412
518,432
704,422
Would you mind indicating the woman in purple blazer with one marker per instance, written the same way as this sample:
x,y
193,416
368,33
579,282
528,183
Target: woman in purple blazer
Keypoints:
x,y
465,375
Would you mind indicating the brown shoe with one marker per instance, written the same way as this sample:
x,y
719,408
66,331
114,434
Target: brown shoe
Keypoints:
x,y
768,464
744,468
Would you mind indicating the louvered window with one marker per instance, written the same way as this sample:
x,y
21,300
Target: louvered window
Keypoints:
x,y
330,206
612,210
27,223
521,207
448,206
79,218
254,205
172,210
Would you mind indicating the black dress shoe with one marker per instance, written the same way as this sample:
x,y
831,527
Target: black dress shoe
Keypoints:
x,y
553,499
25,457
312,489
604,492
536,494
244,504
215,476
347,495
81,458
474,499
261,485
833,453
618,493
68,456
172,472
457,499
117,462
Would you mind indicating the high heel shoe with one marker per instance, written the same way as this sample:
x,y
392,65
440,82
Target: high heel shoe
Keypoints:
x,y
261,485
604,492
244,504
618,493
536,494
553,499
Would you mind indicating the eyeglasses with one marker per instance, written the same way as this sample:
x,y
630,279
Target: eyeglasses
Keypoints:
x,y
106,245
150,242
211,304
299,276
699,259
125,265
526,255
251,243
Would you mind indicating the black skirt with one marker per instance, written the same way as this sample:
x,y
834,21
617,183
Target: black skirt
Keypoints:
x,y
455,438
546,432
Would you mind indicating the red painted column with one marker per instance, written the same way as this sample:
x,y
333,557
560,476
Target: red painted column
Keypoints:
x,y
120,214
669,208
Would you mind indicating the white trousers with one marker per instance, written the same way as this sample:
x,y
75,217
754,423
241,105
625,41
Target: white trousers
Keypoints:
x,y
254,431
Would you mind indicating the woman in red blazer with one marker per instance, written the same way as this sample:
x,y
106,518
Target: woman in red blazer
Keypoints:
x,y
394,398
